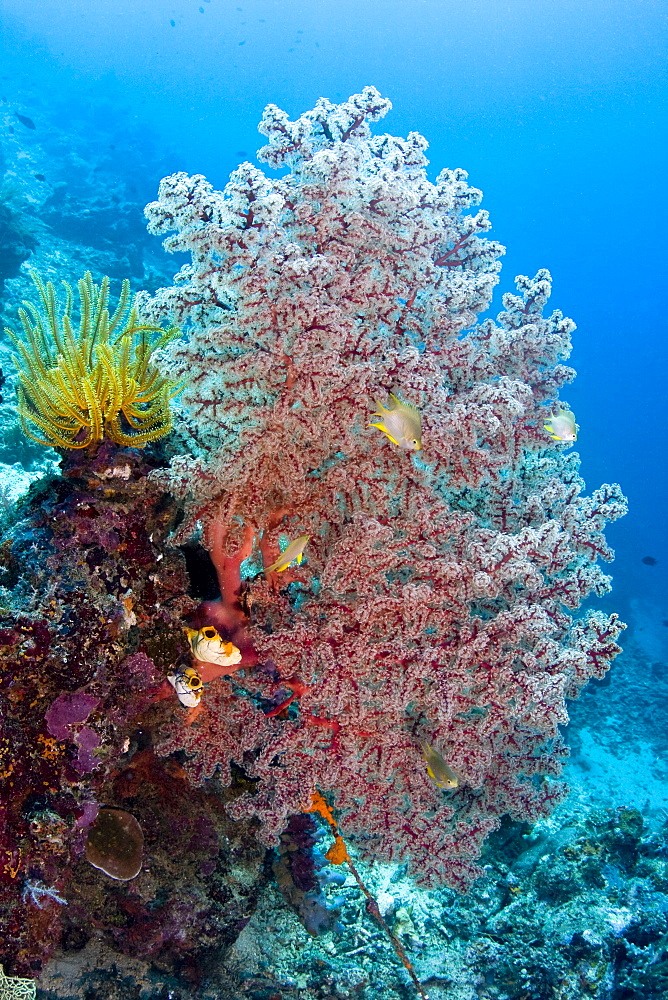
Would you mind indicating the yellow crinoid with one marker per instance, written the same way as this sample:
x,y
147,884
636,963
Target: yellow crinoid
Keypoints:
x,y
80,382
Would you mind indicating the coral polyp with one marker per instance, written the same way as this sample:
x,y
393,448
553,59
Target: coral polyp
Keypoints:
x,y
78,385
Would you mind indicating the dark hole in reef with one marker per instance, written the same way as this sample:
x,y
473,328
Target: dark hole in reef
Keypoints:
x,y
34,804
141,739
74,938
580,948
201,572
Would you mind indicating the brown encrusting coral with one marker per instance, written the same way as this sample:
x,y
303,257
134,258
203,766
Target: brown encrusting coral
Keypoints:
x,y
91,625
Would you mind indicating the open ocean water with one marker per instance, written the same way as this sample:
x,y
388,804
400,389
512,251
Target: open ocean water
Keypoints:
x,y
557,109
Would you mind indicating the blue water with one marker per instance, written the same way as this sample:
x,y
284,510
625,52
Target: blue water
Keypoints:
x,y
556,109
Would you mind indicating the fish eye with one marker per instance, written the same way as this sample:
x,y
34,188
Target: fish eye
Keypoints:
x,y
209,632
194,682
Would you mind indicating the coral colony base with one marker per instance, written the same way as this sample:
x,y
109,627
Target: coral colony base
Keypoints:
x,y
377,490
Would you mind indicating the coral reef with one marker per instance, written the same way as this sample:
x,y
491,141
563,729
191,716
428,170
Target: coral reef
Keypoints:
x,y
597,930
434,605
17,240
72,192
298,873
434,602
14,988
76,191
91,612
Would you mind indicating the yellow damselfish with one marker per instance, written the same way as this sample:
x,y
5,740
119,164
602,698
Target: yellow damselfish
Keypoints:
x,y
401,422
561,426
437,769
293,553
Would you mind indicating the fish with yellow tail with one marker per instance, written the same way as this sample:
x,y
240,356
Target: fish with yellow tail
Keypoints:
x,y
437,769
188,686
561,426
293,553
401,422
208,647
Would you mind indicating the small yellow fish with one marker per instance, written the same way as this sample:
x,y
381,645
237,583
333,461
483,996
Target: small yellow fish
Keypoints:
x,y
293,553
401,422
437,769
188,686
562,427
207,646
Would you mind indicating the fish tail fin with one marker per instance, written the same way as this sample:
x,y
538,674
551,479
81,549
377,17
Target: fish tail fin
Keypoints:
x,y
383,428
